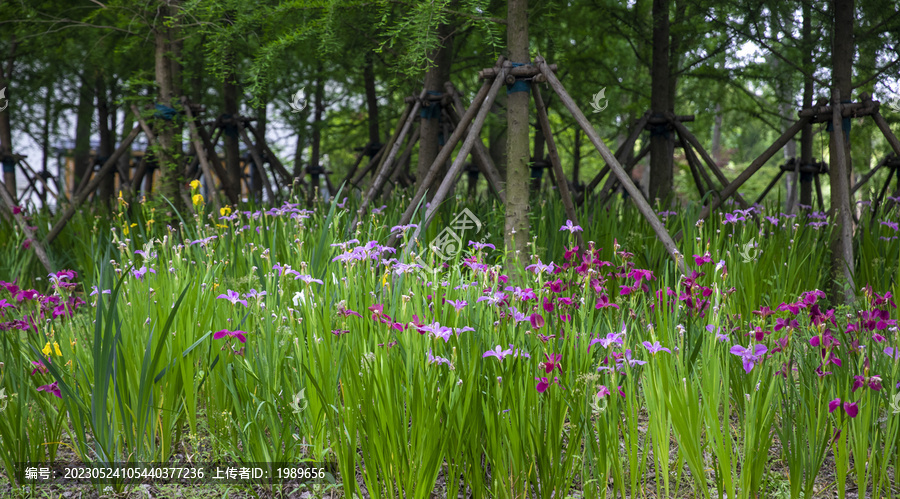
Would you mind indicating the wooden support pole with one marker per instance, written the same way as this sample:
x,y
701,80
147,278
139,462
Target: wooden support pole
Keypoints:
x,y
273,159
108,166
884,188
398,167
819,197
886,131
479,153
25,166
769,187
525,71
710,162
611,182
384,169
201,153
443,155
754,166
611,160
558,173
701,177
484,108
376,160
257,158
626,146
869,175
23,224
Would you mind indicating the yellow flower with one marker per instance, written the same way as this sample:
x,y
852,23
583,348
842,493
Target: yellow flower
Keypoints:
x,y
195,184
47,349
197,199
384,280
225,211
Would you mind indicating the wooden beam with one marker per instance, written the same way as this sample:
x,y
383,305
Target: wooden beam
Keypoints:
x,y
710,162
443,155
636,130
479,153
201,153
95,182
611,160
484,108
557,170
753,167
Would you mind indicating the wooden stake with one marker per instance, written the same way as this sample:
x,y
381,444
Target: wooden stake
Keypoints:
x,y
442,156
611,183
201,153
769,187
382,174
868,175
95,182
257,158
886,131
611,160
620,152
558,173
376,160
479,153
754,166
710,162
273,159
484,108
20,220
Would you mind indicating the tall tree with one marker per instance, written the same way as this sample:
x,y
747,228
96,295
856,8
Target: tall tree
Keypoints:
x,y
516,234
661,144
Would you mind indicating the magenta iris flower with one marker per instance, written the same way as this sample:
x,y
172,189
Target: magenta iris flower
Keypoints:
x,y
834,404
218,335
553,361
749,357
51,388
233,296
604,391
851,408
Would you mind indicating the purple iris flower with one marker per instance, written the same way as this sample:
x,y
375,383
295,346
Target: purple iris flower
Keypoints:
x,y
233,296
631,362
400,229
438,330
834,404
458,304
569,226
308,279
655,347
141,272
891,352
732,219
497,352
749,357
539,267
481,246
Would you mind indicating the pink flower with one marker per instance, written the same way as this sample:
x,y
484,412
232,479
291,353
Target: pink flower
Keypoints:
x,y
51,388
834,404
851,409
218,335
553,361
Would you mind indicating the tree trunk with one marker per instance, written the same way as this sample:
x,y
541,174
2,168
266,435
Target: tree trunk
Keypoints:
x,y
9,168
104,129
806,136
318,115
84,119
371,99
717,136
170,173
842,264
230,132
661,144
430,127
516,234
258,171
